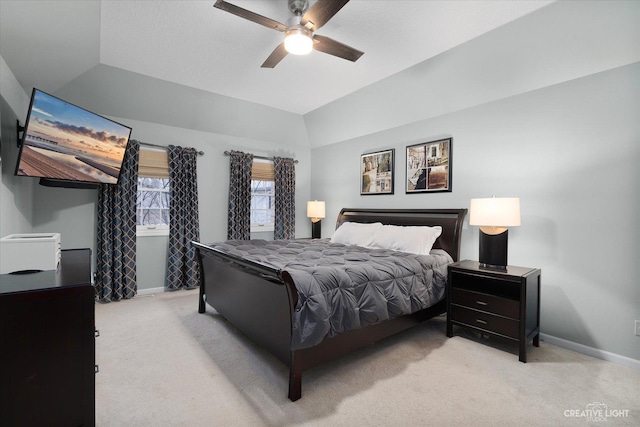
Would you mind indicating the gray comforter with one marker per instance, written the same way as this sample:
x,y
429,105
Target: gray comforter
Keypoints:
x,y
342,288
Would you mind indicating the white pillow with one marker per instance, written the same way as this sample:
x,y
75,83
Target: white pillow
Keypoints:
x,y
414,239
355,233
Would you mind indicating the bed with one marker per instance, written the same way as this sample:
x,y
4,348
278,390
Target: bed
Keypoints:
x,y
262,300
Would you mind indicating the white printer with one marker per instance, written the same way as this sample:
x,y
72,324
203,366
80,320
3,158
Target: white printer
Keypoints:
x,y
34,251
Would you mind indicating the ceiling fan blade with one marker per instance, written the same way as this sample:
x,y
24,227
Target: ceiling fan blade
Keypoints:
x,y
335,48
276,56
251,16
321,12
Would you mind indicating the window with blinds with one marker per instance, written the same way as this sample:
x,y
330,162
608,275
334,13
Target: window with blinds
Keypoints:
x,y
152,210
262,196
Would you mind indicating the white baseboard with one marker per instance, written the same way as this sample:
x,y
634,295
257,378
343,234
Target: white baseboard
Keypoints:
x,y
150,291
593,352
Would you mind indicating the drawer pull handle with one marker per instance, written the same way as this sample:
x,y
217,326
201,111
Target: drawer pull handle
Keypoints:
x,y
481,321
482,303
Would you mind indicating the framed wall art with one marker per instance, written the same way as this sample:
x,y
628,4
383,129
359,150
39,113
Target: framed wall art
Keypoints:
x,y
429,167
377,172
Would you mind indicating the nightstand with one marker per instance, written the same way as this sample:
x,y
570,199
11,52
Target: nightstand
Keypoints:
x,y
503,303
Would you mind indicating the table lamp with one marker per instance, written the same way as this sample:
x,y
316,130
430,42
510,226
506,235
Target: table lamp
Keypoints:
x,y
494,216
315,211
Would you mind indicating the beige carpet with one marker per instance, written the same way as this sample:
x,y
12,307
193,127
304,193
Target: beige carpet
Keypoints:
x,y
163,364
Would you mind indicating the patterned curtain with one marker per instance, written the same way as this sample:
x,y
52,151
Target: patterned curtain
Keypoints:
x,y
239,226
285,198
182,264
116,244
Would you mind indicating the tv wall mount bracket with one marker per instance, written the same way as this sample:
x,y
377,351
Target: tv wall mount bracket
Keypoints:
x,y
19,130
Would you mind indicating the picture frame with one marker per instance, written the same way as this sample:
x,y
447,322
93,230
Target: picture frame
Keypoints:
x,y
377,172
428,167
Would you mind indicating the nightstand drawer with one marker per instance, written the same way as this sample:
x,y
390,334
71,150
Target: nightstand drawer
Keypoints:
x,y
489,303
488,322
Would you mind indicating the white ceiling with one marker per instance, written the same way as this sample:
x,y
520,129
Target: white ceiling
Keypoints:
x,y
48,43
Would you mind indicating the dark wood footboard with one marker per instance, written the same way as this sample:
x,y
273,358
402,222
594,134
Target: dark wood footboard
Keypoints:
x,y
261,301
339,345
251,296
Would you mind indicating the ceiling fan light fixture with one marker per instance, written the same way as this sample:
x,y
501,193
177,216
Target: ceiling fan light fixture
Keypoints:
x,y
298,40
300,30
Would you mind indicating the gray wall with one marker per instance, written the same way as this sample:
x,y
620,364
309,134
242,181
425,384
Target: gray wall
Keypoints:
x,y
559,42
213,184
545,109
16,194
228,124
571,153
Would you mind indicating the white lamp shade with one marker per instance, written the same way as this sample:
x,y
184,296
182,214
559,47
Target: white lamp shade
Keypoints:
x,y
315,209
495,212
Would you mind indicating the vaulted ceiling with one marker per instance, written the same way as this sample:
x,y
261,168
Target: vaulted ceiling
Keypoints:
x,y
49,43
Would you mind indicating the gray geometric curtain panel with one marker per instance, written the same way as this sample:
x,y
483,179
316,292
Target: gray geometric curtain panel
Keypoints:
x,y
116,233
239,221
182,264
284,171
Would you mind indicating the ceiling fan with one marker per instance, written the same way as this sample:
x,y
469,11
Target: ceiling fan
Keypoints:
x,y
300,37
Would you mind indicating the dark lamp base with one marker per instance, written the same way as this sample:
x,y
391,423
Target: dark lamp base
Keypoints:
x,y
316,229
493,251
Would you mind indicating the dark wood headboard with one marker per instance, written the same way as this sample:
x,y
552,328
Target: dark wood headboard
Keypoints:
x,y
450,220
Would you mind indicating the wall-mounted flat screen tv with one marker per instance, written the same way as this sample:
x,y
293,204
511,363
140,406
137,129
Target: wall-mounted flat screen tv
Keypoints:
x,y
66,144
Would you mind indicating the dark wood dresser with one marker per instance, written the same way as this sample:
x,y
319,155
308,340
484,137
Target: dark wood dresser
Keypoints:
x,y
47,355
503,303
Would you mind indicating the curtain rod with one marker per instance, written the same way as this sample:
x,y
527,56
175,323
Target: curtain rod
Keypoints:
x,y
227,153
200,153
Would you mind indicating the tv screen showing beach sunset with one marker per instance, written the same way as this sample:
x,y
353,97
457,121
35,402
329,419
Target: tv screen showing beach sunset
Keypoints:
x,y
65,142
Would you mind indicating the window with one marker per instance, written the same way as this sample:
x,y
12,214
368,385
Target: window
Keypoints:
x,y
152,209
262,205
262,196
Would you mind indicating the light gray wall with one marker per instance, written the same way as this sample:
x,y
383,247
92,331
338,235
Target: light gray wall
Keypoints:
x,y
559,129
16,193
213,170
571,153
151,262
115,92
70,212
213,185
559,42
27,207
227,124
